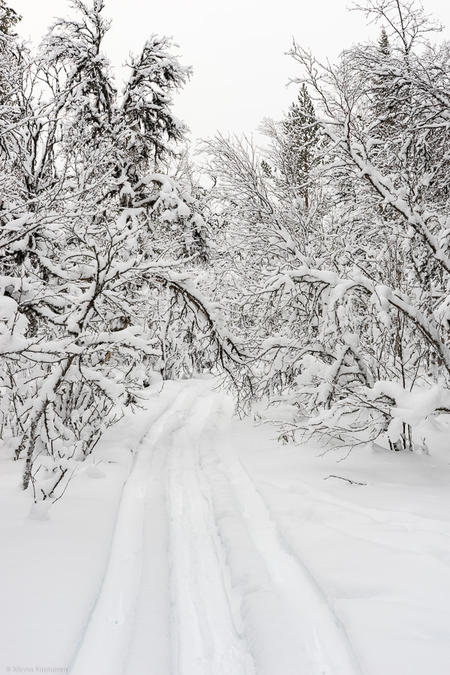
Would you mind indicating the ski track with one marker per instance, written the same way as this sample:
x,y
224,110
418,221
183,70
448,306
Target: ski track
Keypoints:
x,y
206,639
288,619
104,644
200,580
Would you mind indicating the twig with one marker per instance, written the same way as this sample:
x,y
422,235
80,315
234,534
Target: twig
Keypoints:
x,y
353,482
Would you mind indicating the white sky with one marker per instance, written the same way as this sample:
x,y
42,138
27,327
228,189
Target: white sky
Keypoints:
x,y
236,48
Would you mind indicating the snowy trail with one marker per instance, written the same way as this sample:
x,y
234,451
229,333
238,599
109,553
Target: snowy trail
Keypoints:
x,y
200,580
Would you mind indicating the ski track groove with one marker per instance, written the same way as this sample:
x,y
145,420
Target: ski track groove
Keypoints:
x,y
201,579
202,608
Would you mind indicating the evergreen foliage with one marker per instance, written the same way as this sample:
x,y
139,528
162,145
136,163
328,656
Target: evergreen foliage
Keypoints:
x,y
300,133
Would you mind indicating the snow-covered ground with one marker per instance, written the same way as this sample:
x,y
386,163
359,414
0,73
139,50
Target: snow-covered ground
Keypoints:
x,y
197,545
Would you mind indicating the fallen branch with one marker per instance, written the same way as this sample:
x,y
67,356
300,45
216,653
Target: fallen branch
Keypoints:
x,y
353,482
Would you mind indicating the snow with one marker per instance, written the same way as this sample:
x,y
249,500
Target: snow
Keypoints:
x,y
8,308
412,407
195,544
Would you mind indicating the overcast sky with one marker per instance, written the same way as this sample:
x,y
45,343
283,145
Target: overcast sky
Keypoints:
x,y
236,48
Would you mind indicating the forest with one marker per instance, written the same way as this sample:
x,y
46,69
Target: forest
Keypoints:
x,y
312,274
303,270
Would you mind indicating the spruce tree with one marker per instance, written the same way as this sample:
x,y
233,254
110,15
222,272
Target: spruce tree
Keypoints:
x,y
384,98
301,137
383,43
